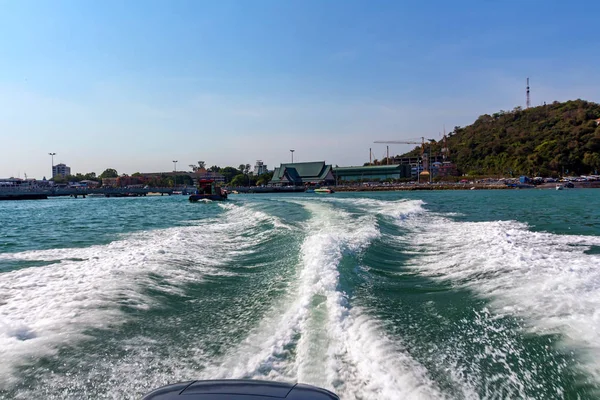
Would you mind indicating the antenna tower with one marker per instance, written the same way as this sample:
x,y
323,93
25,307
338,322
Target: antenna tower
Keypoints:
x,y
528,98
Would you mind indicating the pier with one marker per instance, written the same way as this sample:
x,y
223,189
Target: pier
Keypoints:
x,y
16,193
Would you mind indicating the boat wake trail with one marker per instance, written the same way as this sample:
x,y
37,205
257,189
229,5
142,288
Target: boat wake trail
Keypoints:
x,y
46,308
546,279
316,336
547,282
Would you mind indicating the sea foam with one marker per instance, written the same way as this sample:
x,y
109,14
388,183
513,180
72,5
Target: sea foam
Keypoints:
x,y
45,308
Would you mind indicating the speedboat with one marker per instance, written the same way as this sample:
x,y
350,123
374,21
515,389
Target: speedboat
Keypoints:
x,y
239,389
559,187
324,190
208,190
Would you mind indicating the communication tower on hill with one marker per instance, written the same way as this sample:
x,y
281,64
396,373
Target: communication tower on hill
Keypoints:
x,y
528,98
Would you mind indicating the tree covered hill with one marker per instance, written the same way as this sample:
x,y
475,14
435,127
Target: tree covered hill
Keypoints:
x,y
544,140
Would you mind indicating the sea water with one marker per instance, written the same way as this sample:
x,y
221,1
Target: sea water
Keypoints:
x,y
395,295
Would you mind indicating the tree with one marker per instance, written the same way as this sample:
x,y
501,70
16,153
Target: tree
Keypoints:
x,y
264,179
538,140
592,160
214,168
228,173
90,176
239,180
59,179
109,173
184,179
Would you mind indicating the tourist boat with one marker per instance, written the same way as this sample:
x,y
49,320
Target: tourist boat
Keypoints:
x,y
323,190
208,190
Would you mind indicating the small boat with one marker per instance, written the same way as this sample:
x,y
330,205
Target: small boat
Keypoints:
x,y
208,190
324,190
559,187
309,191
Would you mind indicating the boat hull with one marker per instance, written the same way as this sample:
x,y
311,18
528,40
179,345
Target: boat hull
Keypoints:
x,y
212,197
23,196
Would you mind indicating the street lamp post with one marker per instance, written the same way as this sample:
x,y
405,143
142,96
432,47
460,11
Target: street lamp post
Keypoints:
x,y
175,168
52,169
292,151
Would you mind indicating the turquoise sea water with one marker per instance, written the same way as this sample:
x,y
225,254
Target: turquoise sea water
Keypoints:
x,y
452,294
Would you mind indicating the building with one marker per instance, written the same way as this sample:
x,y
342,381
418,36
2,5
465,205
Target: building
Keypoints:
x,y
305,173
260,168
90,183
110,182
61,170
598,121
371,173
200,175
443,169
18,183
196,175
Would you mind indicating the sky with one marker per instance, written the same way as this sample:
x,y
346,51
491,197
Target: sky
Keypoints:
x,y
133,85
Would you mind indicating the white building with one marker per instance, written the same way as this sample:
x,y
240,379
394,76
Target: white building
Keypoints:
x,y
60,170
260,168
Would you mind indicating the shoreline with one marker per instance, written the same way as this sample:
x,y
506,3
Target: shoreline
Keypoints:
x,y
393,188
413,187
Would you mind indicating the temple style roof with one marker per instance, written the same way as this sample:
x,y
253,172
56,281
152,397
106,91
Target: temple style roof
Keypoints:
x,y
300,173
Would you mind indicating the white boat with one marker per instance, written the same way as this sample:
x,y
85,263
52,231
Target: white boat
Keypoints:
x,y
559,187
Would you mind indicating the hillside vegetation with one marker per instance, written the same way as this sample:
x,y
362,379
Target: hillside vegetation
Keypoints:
x,y
546,140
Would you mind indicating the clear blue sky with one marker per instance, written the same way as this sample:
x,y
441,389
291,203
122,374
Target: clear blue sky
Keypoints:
x,y
133,85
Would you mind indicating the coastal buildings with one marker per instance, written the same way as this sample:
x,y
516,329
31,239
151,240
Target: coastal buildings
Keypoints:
x,y
305,173
217,177
373,172
260,168
110,182
197,174
90,183
61,170
21,183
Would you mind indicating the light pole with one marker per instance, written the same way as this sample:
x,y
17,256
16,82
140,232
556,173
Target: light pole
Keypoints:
x,y
175,168
292,151
52,169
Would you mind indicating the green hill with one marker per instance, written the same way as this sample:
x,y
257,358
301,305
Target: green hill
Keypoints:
x,y
544,140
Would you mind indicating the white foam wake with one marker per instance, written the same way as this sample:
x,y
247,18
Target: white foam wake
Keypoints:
x,y
546,279
44,308
316,337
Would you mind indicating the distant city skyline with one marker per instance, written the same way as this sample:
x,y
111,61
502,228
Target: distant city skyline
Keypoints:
x,y
135,85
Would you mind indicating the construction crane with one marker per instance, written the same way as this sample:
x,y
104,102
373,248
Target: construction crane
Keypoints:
x,y
422,143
